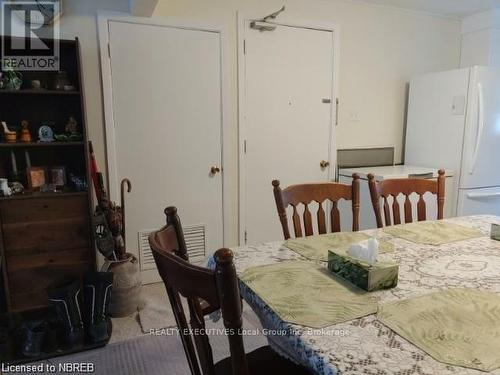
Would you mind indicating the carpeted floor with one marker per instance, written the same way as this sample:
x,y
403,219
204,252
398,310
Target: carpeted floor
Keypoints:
x,y
156,312
153,355
134,353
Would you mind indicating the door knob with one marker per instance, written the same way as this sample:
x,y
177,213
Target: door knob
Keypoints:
x,y
214,170
324,164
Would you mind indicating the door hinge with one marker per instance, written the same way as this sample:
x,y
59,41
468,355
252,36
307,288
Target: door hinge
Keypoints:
x,y
244,46
109,51
245,146
246,237
336,111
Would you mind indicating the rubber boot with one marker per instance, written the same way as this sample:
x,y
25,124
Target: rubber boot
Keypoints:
x,y
66,299
33,341
97,291
51,342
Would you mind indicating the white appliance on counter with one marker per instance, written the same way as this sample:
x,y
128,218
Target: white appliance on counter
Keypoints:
x,y
366,213
454,121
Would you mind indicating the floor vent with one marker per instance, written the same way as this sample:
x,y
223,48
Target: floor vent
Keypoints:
x,y
195,242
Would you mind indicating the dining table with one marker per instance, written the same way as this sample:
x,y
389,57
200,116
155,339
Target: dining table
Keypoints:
x,y
365,345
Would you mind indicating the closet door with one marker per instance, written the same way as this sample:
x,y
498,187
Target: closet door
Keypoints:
x,y
166,99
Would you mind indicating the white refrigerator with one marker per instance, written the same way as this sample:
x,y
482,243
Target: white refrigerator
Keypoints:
x,y
454,122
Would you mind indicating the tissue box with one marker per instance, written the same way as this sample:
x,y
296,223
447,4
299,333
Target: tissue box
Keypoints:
x,y
381,275
495,232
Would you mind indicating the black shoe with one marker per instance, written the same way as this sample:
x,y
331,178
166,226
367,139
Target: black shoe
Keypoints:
x,y
97,291
67,301
35,334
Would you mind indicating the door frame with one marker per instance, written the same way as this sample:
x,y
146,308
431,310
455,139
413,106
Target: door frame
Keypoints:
x,y
305,24
103,19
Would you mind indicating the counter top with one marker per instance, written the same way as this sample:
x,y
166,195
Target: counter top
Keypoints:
x,y
392,171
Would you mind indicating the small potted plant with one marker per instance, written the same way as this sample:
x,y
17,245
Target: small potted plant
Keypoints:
x,y
11,80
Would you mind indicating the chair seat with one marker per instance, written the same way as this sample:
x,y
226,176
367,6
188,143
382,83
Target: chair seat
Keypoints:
x,y
263,361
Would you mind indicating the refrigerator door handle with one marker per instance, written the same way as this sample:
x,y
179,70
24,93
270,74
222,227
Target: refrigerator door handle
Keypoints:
x,y
483,195
480,126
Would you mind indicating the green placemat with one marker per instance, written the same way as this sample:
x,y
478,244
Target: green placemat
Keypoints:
x,y
457,326
316,247
433,232
306,294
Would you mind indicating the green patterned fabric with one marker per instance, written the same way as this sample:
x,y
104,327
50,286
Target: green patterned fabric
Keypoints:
x,y
316,247
456,326
309,295
433,232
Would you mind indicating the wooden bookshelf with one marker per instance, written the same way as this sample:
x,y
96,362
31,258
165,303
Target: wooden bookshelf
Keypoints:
x,y
40,144
45,237
38,92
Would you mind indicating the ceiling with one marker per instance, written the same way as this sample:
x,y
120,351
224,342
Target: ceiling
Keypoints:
x,y
451,8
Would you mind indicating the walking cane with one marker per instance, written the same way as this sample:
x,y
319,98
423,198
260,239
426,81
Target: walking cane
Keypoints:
x,y
124,182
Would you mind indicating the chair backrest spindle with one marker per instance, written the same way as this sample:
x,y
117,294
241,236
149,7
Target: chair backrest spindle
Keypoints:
x,y
305,194
395,187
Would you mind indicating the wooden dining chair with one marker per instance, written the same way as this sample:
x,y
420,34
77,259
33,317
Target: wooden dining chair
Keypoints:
x,y
305,194
206,291
406,186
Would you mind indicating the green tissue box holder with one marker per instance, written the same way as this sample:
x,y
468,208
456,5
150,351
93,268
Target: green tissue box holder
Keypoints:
x,y
381,275
495,232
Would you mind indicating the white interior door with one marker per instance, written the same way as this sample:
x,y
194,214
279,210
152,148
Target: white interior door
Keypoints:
x,y
287,123
166,99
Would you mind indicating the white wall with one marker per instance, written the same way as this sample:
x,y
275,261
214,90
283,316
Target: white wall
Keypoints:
x,y
476,48
381,48
481,39
495,53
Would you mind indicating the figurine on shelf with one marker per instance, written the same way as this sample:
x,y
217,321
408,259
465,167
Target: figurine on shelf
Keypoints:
x,y
45,134
4,188
36,84
9,135
60,81
78,183
71,126
16,187
71,130
25,132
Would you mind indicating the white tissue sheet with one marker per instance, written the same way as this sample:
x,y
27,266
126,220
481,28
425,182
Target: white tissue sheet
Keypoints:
x,y
366,251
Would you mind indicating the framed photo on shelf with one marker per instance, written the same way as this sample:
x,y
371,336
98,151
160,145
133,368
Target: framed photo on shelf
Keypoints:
x,y
37,177
58,176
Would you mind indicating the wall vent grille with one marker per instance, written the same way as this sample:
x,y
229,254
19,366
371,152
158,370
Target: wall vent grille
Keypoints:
x,y
195,236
